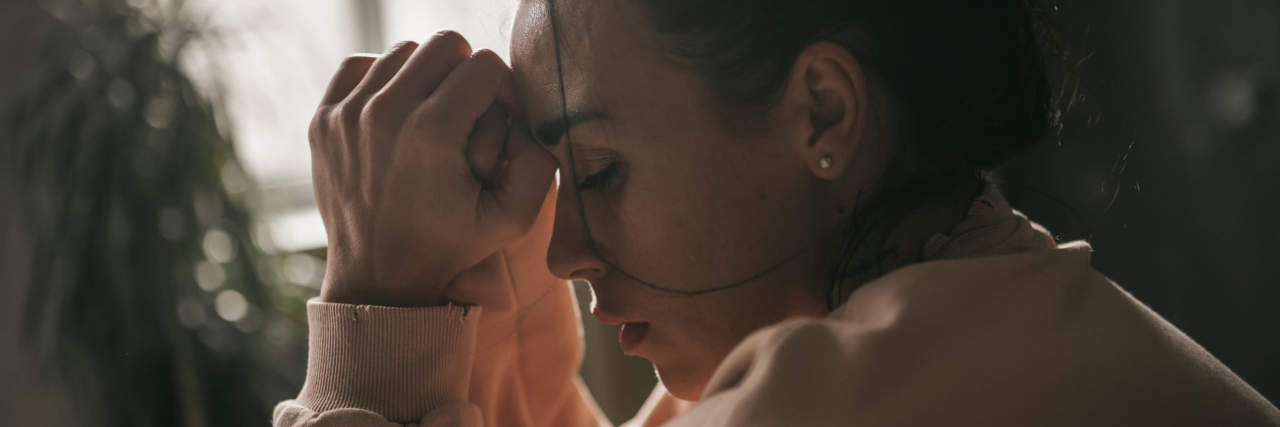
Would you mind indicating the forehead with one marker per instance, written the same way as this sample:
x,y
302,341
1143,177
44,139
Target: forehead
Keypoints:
x,y
605,47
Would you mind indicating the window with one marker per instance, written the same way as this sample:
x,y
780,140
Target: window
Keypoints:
x,y
273,60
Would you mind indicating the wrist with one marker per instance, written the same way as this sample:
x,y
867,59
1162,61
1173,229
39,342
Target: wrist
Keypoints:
x,y
350,286
362,294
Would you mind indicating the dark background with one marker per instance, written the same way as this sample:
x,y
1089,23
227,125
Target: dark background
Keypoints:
x,y
1167,164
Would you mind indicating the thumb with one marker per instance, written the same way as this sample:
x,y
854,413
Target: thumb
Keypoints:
x,y
510,207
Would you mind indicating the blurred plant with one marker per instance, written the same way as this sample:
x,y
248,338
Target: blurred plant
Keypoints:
x,y
147,295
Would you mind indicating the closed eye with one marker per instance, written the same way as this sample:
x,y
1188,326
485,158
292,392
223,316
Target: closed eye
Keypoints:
x,y
601,179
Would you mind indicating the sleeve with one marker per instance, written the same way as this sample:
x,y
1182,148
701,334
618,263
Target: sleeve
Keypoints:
x,y
388,366
508,357
378,366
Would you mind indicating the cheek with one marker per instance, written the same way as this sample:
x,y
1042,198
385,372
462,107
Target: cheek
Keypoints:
x,y
699,228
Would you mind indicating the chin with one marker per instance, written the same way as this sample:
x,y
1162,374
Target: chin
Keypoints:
x,y
683,382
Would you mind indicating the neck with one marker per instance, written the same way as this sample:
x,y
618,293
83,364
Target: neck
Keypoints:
x,y
891,232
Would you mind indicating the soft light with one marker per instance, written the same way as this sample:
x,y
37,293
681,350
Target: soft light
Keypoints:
x,y
230,305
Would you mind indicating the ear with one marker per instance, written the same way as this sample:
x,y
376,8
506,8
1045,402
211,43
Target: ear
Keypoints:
x,y
826,95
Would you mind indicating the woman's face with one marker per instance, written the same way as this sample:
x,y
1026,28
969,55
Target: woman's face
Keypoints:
x,y
671,194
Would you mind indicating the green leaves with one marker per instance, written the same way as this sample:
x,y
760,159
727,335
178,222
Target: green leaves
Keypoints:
x,y
119,162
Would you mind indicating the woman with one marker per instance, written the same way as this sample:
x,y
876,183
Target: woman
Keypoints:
x,y
780,204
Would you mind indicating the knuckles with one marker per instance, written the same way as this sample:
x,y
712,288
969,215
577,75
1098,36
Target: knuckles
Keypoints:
x,y
318,130
377,111
342,133
430,118
326,125
346,115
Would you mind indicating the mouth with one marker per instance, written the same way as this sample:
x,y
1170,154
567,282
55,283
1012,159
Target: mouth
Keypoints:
x,y
632,333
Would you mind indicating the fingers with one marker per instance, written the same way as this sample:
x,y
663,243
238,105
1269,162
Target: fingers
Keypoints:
x,y
512,205
428,66
349,74
486,145
466,94
383,69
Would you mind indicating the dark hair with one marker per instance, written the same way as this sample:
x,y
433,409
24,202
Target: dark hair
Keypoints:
x,y
966,83
966,79
967,76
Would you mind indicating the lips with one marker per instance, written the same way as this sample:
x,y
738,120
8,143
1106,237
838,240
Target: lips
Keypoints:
x,y
632,333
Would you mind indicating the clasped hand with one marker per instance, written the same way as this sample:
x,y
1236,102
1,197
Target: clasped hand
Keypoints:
x,y
418,173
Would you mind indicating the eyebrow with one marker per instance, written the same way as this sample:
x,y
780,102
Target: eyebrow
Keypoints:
x,y
550,132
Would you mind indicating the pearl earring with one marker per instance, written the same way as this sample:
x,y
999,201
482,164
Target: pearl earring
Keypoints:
x,y
825,161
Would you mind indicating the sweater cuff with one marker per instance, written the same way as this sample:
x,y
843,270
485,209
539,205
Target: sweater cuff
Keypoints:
x,y
397,362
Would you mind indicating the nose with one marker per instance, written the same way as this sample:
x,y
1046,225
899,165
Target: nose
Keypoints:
x,y
570,255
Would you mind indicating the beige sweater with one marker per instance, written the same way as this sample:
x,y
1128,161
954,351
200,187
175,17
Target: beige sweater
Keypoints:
x,y
999,326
